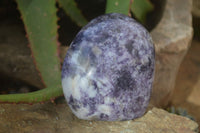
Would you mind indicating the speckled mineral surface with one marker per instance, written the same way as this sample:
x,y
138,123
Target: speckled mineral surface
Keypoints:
x,y
108,70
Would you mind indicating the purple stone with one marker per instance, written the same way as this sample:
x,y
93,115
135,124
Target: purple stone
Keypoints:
x,y
108,70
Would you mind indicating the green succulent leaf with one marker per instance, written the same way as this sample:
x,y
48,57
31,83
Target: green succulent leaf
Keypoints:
x,y
73,12
40,22
33,97
118,6
140,8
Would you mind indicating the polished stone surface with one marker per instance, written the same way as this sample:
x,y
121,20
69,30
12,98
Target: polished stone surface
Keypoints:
x,y
108,70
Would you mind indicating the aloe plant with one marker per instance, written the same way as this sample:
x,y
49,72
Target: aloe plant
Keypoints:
x,y
140,8
40,22
118,6
70,7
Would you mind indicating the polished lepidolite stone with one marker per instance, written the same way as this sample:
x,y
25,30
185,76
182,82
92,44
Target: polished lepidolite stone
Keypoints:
x,y
108,70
